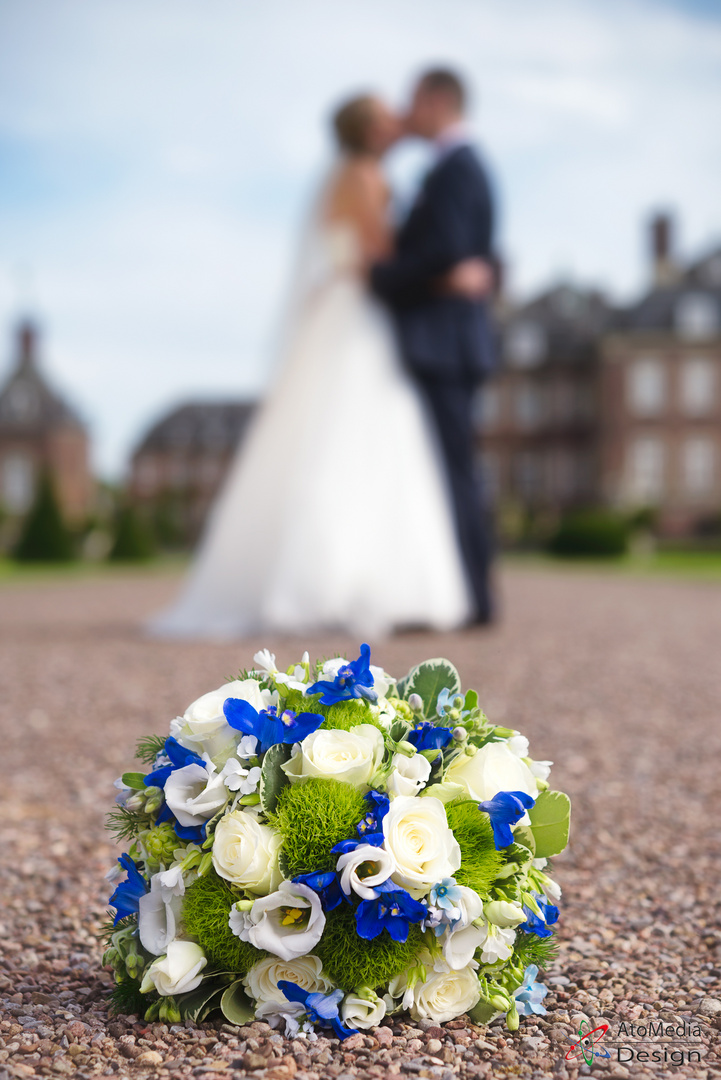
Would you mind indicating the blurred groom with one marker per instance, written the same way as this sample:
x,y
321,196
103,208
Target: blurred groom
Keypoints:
x,y
446,338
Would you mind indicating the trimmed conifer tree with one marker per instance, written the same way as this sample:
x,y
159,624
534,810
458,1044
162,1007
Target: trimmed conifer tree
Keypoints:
x,y
44,536
132,541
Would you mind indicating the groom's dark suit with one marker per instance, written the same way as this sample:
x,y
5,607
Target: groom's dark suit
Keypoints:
x,y
446,341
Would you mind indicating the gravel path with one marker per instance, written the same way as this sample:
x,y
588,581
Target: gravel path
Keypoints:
x,y
617,680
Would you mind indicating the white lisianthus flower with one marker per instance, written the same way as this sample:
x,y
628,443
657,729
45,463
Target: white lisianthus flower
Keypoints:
x,y
195,793
363,1009
504,912
159,916
409,774
360,870
445,994
237,778
418,837
491,769
246,852
179,971
288,923
497,943
203,727
262,980
382,681
352,756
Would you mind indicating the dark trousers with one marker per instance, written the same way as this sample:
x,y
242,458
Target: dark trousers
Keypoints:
x,y
451,404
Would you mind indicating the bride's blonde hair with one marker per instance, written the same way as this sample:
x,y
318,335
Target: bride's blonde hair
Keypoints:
x,y
352,121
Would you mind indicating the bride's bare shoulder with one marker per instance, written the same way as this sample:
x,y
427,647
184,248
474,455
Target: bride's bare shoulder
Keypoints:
x,y
358,184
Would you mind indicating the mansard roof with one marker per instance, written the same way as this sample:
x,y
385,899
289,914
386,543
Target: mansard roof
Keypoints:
x,y
28,403
199,427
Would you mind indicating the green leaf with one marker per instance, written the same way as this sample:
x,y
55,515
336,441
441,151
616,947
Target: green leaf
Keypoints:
x,y
272,777
428,679
482,1013
236,1006
200,1003
523,835
134,780
550,822
471,701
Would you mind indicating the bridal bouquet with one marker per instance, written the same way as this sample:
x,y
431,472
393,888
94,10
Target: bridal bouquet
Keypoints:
x,y
326,846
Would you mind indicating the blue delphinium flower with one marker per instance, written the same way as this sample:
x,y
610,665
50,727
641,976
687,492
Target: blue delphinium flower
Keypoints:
x,y
320,1008
540,924
126,897
426,736
327,886
504,810
393,910
530,994
178,757
370,826
268,727
353,680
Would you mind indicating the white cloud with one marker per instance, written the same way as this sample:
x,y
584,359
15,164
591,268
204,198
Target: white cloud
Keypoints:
x,y
162,150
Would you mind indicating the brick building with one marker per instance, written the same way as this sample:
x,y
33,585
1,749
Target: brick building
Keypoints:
x,y
180,464
596,405
39,430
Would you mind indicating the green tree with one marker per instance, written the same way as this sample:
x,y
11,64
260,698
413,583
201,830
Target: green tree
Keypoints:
x,y
44,536
132,541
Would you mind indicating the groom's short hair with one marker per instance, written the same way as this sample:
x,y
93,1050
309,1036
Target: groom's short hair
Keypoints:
x,y
445,81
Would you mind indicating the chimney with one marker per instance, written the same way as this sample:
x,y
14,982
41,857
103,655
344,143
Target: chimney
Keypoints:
x,y
663,264
27,340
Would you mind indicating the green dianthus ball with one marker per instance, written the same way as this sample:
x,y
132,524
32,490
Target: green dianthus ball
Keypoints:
x,y
313,817
481,862
350,960
206,907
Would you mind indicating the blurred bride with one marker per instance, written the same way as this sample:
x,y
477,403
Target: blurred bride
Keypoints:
x,y
335,513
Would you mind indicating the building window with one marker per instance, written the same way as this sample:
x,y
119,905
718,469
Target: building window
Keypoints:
x,y
528,405
525,344
647,386
698,386
697,317
487,407
527,468
646,470
698,465
17,483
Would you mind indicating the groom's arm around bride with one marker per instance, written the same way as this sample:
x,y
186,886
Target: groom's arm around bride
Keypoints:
x,y
445,336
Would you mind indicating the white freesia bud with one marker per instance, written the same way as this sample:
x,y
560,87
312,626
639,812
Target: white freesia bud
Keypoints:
x,y
418,837
360,870
459,734
352,756
179,971
415,701
288,923
519,745
195,793
409,774
246,852
444,995
158,916
492,769
504,912
541,769
362,1009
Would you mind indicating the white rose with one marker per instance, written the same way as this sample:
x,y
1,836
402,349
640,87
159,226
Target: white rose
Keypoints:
x,y
352,756
178,971
504,912
363,868
158,915
195,793
418,837
409,774
445,995
362,1009
203,727
288,923
246,852
262,980
492,769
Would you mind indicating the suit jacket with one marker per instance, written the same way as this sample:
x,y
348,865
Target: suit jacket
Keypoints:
x,y
442,337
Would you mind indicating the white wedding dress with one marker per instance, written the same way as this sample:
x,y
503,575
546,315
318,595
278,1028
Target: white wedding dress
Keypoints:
x,y
335,513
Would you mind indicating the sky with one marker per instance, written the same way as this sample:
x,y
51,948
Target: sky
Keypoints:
x,y
157,156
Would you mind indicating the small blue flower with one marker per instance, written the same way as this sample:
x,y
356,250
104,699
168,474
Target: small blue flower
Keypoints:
x,y
126,897
426,736
446,894
504,810
530,994
354,680
267,726
179,757
393,910
327,886
320,1008
537,924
